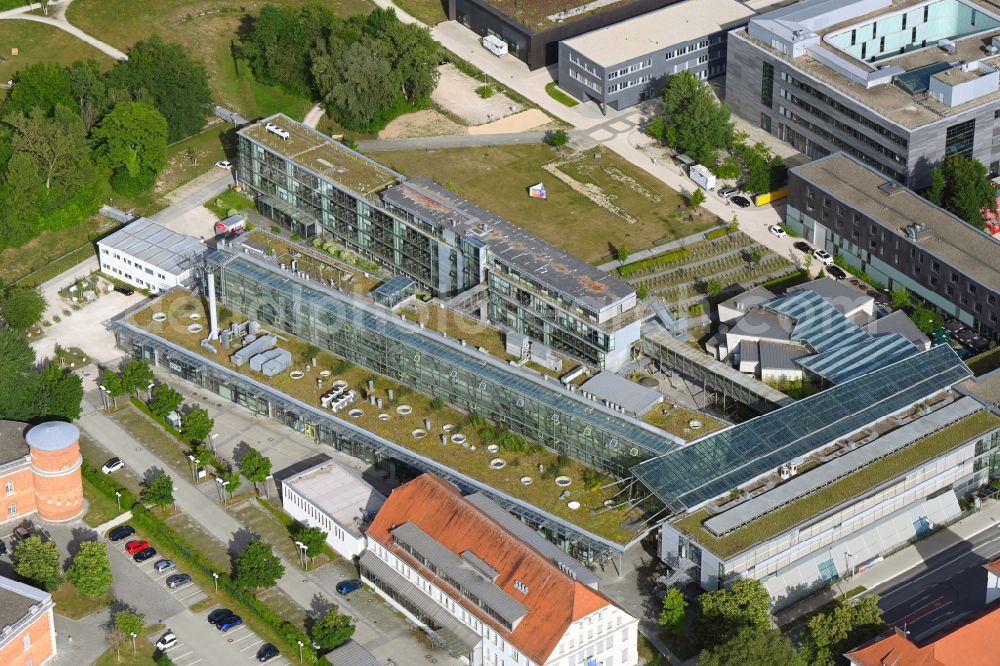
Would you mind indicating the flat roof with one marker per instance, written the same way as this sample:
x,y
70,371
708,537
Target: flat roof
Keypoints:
x,y
826,473
322,155
747,299
555,268
973,252
841,294
16,600
713,465
656,30
635,398
897,322
342,495
780,356
12,444
888,99
156,245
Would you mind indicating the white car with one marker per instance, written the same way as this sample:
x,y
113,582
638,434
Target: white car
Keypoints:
x,y
167,641
113,465
777,231
224,164
823,257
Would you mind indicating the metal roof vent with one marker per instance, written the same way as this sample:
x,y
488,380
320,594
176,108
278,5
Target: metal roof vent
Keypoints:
x,y
891,187
520,587
917,232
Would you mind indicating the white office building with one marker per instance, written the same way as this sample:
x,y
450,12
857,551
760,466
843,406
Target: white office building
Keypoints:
x,y
149,256
336,500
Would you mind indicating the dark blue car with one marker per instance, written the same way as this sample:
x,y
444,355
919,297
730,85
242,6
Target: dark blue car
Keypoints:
x,y
347,586
229,623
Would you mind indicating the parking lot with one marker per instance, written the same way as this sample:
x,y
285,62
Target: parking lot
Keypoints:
x,y
187,594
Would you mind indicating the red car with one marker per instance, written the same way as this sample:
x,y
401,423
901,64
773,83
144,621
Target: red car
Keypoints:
x,y
133,547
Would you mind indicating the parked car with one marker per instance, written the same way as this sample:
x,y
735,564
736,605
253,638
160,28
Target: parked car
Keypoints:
x,y
121,289
224,164
823,257
113,465
167,641
267,652
777,231
24,532
803,246
163,565
229,623
836,272
741,201
219,614
144,554
345,587
133,547
3,548
177,580
727,192
121,532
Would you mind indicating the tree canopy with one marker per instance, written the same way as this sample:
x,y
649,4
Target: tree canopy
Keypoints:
x,y
131,140
672,612
279,45
165,400
255,466
693,120
333,629
313,538
22,307
749,645
828,635
38,561
745,604
961,186
158,490
90,571
257,566
28,392
42,86
129,623
165,76
196,424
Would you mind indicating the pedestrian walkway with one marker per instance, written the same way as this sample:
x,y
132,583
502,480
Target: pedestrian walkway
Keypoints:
x,y
905,560
305,589
657,250
57,19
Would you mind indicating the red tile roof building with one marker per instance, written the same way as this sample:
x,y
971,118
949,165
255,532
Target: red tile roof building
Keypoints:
x,y
481,592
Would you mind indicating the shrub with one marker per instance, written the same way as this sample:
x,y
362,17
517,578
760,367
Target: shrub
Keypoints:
x,y
485,91
719,233
697,309
557,138
106,485
652,262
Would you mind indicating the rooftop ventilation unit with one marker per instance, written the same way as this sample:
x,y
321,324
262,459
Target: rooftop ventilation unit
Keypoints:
x,y
917,232
991,49
891,187
947,46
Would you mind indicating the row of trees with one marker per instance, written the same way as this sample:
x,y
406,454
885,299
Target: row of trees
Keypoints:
x,y
694,122
29,391
961,186
366,69
70,134
38,561
734,625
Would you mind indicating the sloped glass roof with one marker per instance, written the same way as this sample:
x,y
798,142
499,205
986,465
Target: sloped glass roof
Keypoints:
x,y
817,323
846,363
715,464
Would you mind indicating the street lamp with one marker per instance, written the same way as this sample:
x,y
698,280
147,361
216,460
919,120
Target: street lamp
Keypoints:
x,y
212,440
149,391
300,649
222,489
215,575
302,553
105,394
132,634
194,467
118,496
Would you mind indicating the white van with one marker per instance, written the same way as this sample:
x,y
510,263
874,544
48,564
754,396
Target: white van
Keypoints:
x,y
495,45
701,175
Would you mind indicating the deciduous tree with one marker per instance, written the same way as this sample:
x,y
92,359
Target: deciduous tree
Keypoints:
x,y
42,86
132,141
961,186
38,562
745,604
255,466
313,538
136,375
829,635
749,645
129,624
90,571
672,612
22,307
333,629
257,566
165,400
356,83
196,424
57,144
159,490
694,121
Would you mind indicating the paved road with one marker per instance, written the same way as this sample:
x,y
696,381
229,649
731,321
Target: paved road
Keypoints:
x,y
57,18
948,586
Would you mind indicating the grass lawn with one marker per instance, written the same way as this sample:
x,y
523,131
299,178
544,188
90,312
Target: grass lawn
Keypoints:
x,y
37,42
430,12
227,201
214,550
46,253
142,656
273,530
985,362
72,603
205,28
195,155
846,487
498,177
100,508
556,93
167,448
675,421
96,455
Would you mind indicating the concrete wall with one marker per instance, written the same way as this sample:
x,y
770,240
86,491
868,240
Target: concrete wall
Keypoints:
x,y
41,645
346,543
22,499
137,273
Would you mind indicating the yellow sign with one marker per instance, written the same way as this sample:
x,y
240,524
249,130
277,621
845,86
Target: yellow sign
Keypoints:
x,y
769,197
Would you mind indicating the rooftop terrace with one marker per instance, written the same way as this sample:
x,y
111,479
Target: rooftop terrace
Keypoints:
x,y
586,486
957,243
829,495
322,155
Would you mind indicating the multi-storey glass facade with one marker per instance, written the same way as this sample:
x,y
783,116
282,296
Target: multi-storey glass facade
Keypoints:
x,y
473,382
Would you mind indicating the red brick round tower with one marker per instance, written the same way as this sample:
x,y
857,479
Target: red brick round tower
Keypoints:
x,y
55,466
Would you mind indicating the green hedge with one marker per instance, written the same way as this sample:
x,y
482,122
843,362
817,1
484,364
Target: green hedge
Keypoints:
x,y
165,535
631,269
106,485
718,233
144,408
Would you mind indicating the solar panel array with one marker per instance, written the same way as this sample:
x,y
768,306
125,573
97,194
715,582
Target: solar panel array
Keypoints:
x,y
713,465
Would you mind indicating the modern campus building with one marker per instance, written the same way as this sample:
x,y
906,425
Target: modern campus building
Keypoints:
x,y
531,34
897,84
316,187
29,630
40,472
623,64
898,238
810,493
335,499
484,593
149,256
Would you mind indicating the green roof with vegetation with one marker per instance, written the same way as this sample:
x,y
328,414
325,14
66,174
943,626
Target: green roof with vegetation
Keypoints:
x,y
854,484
